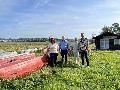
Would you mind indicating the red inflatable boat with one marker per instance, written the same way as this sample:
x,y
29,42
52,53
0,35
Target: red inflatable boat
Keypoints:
x,y
21,65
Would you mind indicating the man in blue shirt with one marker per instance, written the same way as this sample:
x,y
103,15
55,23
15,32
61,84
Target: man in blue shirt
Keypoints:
x,y
64,49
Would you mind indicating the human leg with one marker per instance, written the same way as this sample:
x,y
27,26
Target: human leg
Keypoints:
x,y
55,58
87,58
78,59
62,55
52,59
65,57
82,57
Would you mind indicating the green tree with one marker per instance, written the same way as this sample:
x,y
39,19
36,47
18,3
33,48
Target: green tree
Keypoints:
x,y
116,28
106,29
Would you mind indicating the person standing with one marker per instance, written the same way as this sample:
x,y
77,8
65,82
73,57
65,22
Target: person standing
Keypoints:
x,y
83,48
63,49
76,51
53,49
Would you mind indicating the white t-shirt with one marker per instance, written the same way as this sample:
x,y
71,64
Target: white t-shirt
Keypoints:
x,y
54,48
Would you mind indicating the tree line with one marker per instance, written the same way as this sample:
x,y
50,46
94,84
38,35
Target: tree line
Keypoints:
x,y
25,40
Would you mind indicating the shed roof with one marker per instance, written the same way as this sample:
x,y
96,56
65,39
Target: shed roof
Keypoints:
x,y
106,34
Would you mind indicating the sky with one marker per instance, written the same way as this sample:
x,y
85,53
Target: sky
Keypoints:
x,y
45,18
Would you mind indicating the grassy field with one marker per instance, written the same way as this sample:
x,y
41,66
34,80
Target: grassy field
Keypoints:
x,y
103,74
17,46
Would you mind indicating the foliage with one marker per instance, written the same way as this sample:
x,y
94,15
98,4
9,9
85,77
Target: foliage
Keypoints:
x,y
114,28
106,29
17,46
104,73
24,40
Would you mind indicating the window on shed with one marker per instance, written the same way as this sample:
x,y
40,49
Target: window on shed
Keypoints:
x,y
116,41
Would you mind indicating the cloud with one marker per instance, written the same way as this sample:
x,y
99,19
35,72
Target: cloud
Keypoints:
x,y
45,17
40,3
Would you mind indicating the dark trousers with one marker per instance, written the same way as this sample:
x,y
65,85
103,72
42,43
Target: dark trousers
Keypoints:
x,y
64,55
84,54
53,58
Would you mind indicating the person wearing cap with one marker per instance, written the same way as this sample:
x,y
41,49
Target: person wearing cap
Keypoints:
x,y
76,51
53,49
83,49
63,49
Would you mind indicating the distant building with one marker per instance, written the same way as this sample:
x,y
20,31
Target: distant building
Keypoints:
x,y
107,41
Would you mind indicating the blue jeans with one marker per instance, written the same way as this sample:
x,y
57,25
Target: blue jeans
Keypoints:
x,y
53,58
84,54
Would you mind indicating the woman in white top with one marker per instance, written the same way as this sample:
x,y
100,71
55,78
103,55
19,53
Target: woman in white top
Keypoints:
x,y
76,51
53,49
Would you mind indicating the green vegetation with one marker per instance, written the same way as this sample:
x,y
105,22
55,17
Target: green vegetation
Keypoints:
x,y
18,46
103,74
114,28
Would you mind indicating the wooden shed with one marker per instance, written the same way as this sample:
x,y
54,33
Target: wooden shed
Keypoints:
x,y
107,41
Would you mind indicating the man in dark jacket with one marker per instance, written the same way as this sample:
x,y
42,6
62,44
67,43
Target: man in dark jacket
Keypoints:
x,y
83,48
